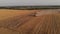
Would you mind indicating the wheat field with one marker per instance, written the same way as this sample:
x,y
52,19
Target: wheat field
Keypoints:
x,y
23,22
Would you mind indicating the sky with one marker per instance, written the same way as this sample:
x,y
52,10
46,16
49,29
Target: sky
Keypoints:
x,y
28,2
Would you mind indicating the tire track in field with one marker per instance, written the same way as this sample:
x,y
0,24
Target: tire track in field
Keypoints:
x,y
36,28
44,26
15,22
49,26
7,31
28,27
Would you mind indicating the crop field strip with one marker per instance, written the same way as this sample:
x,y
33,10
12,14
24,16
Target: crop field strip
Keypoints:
x,y
36,28
49,26
15,22
4,30
29,26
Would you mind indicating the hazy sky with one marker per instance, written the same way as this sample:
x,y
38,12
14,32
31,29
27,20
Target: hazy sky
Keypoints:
x,y
28,2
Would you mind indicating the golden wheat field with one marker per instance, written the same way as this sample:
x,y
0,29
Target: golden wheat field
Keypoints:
x,y
23,22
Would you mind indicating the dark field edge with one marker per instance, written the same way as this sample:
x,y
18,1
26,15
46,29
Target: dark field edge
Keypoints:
x,y
29,7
